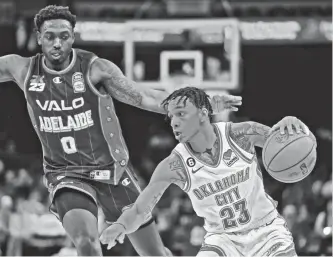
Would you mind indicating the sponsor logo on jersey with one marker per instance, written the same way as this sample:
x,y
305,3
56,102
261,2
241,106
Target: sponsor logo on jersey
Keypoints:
x,y
190,162
78,82
126,182
37,83
57,80
229,157
100,174
195,171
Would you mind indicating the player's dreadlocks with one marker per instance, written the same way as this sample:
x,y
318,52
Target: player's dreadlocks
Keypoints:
x,y
197,96
53,12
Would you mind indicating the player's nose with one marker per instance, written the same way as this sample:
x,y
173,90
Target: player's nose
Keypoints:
x,y
174,124
57,43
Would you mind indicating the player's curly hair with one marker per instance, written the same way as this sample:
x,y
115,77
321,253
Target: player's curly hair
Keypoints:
x,y
52,12
197,96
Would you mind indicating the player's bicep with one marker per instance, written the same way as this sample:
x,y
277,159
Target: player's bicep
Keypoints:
x,y
249,134
6,67
117,85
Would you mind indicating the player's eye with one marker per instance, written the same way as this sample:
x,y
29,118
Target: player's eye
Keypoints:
x,y
181,114
48,36
65,37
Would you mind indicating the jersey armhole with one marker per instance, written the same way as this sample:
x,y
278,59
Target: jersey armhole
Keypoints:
x,y
25,83
91,86
187,185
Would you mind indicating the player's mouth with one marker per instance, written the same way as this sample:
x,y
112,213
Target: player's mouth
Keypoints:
x,y
56,55
178,135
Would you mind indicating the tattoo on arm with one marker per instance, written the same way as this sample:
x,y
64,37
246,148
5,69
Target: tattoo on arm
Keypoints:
x,y
120,87
247,134
123,90
177,166
151,205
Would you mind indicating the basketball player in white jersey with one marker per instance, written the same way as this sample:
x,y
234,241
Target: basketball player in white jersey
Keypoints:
x,y
216,165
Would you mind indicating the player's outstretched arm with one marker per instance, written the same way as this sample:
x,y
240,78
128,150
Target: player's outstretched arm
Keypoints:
x,y
13,68
249,134
124,89
129,92
170,170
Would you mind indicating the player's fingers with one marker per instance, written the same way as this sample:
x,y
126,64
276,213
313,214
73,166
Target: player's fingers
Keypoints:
x,y
290,129
121,238
305,129
297,128
111,244
282,128
233,98
233,109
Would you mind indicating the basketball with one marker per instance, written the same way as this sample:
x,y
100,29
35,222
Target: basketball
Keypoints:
x,y
289,158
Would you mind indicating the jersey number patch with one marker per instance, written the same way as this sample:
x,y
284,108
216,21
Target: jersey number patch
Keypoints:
x,y
228,215
68,144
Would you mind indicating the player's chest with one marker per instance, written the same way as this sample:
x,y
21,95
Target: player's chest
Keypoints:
x,y
59,93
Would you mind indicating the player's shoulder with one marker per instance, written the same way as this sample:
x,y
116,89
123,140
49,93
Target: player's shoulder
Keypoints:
x,y
16,61
239,128
84,55
170,162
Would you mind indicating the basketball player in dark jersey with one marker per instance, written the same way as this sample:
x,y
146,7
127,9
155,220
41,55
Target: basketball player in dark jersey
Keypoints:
x,y
86,163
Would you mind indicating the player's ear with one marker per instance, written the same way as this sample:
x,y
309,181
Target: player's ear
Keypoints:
x,y
203,114
39,37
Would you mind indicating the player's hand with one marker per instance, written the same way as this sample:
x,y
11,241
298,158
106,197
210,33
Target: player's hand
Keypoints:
x,y
112,234
222,103
290,123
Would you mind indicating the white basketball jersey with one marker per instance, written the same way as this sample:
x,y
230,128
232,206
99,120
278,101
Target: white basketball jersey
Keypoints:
x,y
230,196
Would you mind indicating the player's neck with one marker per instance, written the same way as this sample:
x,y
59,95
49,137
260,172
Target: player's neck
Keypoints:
x,y
204,139
61,66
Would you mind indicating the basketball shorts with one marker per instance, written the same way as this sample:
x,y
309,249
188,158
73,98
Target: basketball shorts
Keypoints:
x,y
112,199
272,239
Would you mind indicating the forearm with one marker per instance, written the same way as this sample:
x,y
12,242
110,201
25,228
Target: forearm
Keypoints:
x,y
132,219
152,100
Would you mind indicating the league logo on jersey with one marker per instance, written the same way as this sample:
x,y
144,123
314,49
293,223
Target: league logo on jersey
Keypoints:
x,y
229,157
190,162
78,82
37,83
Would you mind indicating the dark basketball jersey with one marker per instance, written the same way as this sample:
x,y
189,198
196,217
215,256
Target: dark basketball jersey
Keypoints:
x,y
76,124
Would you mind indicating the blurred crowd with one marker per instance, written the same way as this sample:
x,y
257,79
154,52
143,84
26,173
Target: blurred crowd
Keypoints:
x,y
27,227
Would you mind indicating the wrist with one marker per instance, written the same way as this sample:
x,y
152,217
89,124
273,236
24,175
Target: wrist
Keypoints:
x,y
218,117
120,224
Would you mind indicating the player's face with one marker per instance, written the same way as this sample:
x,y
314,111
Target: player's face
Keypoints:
x,y
184,119
56,39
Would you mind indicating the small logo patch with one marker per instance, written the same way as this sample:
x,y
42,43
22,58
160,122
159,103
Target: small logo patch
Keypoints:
x,y
126,182
195,171
304,168
37,83
229,157
78,82
100,174
57,80
190,162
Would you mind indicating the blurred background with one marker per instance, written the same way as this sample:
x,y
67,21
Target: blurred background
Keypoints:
x,y
276,54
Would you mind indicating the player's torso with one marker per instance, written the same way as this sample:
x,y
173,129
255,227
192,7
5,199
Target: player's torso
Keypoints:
x,y
76,124
230,195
